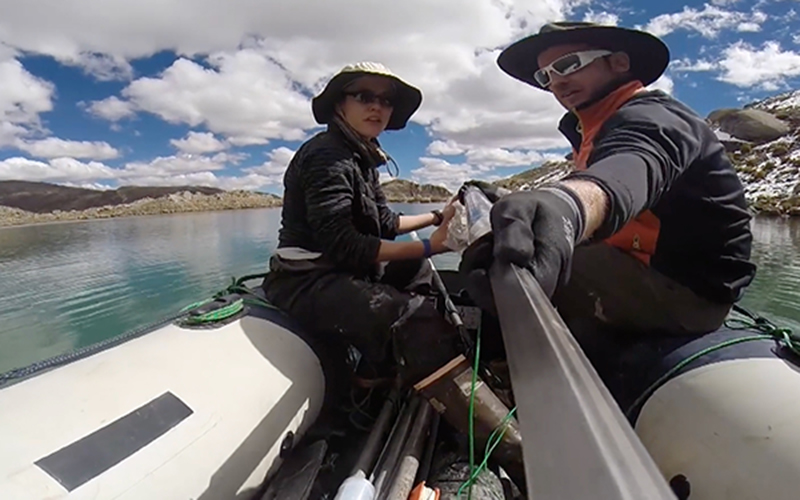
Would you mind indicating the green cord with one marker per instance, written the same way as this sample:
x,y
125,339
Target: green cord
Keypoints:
x,y
472,413
783,336
231,309
493,441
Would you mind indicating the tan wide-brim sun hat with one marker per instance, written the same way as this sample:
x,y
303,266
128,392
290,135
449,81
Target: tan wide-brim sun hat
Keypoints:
x,y
408,97
649,56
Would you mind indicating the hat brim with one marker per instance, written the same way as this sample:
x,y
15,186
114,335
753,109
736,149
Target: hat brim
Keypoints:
x,y
408,98
649,56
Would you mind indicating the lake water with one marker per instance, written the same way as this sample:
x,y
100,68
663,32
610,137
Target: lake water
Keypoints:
x,y
67,285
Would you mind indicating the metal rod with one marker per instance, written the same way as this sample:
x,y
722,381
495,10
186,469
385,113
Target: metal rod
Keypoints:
x,y
382,475
372,447
427,457
577,443
449,306
403,480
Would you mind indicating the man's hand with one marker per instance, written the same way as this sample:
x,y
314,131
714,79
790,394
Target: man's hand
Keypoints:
x,y
536,230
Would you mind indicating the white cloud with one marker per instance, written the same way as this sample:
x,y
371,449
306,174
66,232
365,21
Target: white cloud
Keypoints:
x,y
686,65
724,3
748,27
271,171
796,39
253,90
746,66
171,166
440,172
98,186
7,52
256,89
53,147
199,143
607,18
56,170
444,148
104,67
244,96
23,97
664,83
491,158
112,109
709,22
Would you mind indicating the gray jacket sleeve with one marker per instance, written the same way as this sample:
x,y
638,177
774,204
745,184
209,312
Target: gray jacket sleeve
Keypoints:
x,y
645,149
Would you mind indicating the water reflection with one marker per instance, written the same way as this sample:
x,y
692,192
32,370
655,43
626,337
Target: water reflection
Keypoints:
x,y
68,285
775,291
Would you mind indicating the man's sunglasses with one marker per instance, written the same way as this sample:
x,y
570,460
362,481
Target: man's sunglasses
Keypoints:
x,y
368,97
567,64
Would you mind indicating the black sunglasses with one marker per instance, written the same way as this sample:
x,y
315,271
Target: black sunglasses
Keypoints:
x,y
369,97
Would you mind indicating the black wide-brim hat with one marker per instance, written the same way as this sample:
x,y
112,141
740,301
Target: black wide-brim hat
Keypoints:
x,y
649,55
407,98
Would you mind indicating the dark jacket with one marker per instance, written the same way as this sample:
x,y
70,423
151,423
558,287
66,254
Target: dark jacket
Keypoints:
x,y
333,203
656,154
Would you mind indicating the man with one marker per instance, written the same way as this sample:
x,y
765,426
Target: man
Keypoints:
x,y
654,205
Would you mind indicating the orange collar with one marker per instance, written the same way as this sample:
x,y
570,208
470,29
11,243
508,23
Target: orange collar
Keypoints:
x,y
591,118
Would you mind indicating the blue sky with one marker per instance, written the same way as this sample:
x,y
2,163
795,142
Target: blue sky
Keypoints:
x,y
101,93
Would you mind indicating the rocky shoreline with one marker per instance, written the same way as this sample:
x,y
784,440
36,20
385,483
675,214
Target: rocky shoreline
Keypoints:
x,y
172,204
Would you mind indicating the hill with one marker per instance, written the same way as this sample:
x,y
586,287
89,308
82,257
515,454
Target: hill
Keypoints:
x,y
42,197
24,202
770,166
403,191
547,172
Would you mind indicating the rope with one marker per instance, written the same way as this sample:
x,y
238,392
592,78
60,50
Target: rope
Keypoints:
x,y
236,287
227,311
783,337
494,439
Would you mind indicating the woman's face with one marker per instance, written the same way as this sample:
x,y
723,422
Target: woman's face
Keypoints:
x,y
368,105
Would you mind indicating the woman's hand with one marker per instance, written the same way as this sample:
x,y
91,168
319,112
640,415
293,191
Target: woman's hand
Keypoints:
x,y
448,211
439,236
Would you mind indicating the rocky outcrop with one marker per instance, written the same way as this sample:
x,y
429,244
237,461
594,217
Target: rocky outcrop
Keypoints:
x,y
403,191
185,201
769,169
750,125
550,171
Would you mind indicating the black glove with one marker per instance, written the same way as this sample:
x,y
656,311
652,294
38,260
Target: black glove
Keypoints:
x,y
536,230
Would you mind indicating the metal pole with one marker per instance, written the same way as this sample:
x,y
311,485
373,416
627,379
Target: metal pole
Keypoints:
x,y
449,306
576,442
372,447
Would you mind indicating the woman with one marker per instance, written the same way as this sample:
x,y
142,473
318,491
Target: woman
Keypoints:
x,y
337,270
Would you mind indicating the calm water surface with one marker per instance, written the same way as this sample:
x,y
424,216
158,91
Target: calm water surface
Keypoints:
x,y
67,285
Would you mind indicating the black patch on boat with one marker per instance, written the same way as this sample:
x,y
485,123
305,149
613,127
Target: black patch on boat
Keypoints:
x,y
94,454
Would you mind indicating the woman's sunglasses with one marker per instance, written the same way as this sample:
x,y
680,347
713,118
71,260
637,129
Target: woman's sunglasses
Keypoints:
x,y
567,64
368,97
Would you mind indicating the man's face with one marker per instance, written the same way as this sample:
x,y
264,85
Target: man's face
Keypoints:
x,y
576,88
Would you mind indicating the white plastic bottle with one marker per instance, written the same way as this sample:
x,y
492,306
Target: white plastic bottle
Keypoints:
x,y
356,487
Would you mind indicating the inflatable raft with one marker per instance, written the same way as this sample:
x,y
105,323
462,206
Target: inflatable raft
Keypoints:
x,y
225,400
182,410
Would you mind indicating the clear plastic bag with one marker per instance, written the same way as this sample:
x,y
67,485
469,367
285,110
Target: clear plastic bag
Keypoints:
x,y
457,230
